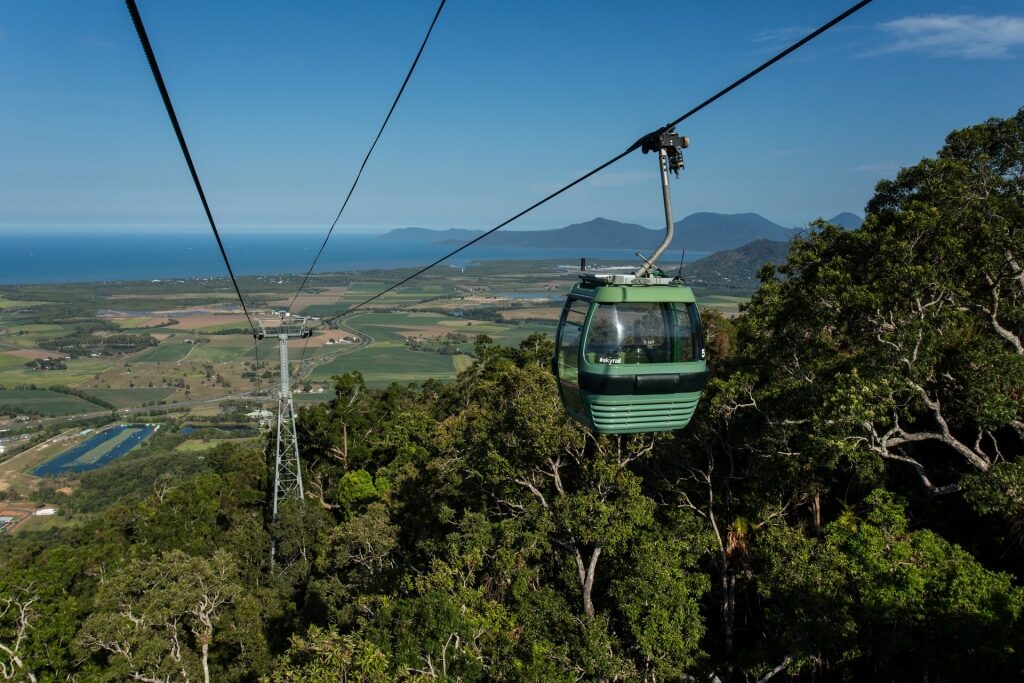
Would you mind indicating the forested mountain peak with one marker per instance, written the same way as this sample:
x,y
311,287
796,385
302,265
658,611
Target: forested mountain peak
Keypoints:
x,y
850,221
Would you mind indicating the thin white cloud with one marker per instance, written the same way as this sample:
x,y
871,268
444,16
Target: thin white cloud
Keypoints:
x,y
779,35
955,35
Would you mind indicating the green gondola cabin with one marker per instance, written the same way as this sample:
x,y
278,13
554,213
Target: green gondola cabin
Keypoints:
x,y
629,354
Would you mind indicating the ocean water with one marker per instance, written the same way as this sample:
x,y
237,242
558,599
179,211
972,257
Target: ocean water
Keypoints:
x,y
53,257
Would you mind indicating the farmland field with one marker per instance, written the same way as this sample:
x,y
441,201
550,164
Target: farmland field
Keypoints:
x,y
129,398
77,370
388,362
15,303
729,305
507,301
511,335
133,322
46,402
168,352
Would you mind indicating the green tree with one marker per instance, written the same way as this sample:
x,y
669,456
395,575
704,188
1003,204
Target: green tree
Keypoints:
x,y
166,617
326,657
886,356
16,618
891,603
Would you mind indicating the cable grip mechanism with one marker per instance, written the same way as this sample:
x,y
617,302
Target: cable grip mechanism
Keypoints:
x,y
667,139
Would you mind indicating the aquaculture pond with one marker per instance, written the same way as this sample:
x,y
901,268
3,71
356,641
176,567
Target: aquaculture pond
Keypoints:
x,y
96,451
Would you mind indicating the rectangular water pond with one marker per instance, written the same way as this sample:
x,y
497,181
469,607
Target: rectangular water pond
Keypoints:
x,y
96,451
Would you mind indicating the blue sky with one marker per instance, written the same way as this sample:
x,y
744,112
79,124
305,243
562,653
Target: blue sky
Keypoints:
x,y
279,102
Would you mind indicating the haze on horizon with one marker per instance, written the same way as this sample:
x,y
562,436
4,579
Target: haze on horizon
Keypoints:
x,y
509,102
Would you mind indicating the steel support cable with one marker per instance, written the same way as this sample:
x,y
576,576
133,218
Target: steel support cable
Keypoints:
x,y
140,29
635,146
359,174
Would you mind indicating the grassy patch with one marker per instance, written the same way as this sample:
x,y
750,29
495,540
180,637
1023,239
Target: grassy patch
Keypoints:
x,y
197,445
48,522
9,362
44,402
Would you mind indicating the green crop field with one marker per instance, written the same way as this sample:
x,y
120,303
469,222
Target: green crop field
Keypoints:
x,y
511,335
224,348
167,352
38,329
729,305
388,362
322,310
313,398
128,323
241,324
131,398
15,303
267,347
50,403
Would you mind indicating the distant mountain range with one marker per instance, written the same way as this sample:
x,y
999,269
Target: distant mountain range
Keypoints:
x,y
709,232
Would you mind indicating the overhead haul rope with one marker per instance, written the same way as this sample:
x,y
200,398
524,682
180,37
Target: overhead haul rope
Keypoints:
x,y
632,148
362,166
140,28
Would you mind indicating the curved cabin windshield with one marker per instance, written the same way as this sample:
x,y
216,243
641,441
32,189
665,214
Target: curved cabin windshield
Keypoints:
x,y
641,333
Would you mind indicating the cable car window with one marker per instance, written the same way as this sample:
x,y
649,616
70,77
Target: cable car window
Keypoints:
x,y
571,330
693,337
639,333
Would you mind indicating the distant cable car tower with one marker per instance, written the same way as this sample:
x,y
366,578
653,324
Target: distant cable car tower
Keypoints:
x,y
287,466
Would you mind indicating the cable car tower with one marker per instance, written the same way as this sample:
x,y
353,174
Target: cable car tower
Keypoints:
x,y
287,467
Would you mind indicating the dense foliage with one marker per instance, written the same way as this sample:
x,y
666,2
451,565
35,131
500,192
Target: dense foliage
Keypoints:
x,y
846,505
